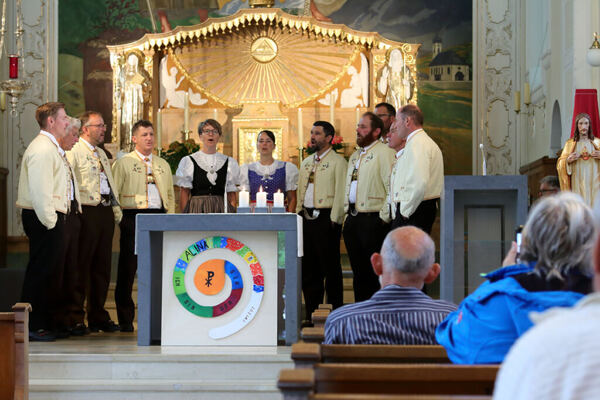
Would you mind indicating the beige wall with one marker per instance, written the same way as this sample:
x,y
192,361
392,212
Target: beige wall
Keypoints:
x,y
41,47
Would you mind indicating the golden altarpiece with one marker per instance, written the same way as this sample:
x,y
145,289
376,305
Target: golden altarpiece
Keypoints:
x,y
260,68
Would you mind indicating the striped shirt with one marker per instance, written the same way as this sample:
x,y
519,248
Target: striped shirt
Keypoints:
x,y
393,315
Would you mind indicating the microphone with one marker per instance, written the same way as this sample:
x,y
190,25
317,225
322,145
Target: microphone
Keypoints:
x,y
484,161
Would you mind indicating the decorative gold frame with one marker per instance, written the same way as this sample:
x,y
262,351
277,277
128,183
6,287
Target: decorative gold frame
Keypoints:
x,y
247,149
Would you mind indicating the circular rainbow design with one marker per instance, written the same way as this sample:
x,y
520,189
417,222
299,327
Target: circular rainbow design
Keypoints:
x,y
237,284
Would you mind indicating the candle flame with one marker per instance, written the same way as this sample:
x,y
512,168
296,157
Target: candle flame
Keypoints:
x,y
260,189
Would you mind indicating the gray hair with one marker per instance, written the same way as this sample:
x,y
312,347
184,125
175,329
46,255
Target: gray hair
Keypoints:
x,y
408,249
73,123
560,235
551,180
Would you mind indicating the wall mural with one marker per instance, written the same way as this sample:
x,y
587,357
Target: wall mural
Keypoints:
x,y
444,60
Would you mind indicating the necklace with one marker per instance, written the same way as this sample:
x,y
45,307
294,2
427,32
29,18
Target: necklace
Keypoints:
x,y
208,162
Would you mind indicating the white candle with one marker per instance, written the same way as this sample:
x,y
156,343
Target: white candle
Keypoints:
x,y
357,116
244,198
527,94
158,130
300,134
332,109
186,112
215,114
517,101
278,199
261,198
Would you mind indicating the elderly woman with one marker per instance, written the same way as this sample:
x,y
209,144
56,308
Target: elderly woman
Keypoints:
x,y
555,271
207,178
579,163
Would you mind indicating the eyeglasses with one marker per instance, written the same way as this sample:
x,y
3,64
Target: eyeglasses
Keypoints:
x,y
209,131
97,125
384,115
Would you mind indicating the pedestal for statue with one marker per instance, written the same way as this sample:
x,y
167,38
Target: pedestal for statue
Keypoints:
x,y
218,279
479,215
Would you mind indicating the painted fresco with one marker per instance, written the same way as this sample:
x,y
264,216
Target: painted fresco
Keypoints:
x,y
444,62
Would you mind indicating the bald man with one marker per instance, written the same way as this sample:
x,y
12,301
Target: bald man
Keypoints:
x,y
399,313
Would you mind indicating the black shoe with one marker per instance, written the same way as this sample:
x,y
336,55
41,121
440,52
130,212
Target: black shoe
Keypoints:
x,y
107,326
62,333
42,335
126,327
80,330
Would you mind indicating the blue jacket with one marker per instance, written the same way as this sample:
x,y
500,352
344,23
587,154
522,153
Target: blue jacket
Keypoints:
x,y
493,317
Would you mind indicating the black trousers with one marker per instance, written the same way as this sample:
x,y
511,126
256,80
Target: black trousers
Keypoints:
x,y
363,236
45,247
423,217
128,265
321,261
95,253
68,276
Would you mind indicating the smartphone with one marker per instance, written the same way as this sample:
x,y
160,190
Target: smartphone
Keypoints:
x,y
518,233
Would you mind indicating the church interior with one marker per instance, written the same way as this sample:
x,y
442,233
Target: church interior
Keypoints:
x,y
499,83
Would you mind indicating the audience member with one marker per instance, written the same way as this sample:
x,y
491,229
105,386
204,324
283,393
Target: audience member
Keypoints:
x,y
321,205
569,372
387,113
399,313
549,185
365,202
555,272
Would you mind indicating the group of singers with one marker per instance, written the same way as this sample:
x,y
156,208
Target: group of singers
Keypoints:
x,y
394,178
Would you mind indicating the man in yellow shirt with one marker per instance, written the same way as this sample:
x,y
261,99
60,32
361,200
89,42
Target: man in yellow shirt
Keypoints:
x,y
321,204
45,190
145,185
100,212
418,176
365,202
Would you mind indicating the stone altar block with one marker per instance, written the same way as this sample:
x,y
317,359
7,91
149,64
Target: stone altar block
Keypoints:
x,y
171,243
479,215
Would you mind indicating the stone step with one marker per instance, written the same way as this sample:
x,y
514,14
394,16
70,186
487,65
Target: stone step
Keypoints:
x,y
101,366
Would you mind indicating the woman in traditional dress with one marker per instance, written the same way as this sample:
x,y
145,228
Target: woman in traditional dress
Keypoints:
x,y
273,175
206,176
579,164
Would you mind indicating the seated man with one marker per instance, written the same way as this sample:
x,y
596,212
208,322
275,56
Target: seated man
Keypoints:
x,y
399,313
549,185
557,358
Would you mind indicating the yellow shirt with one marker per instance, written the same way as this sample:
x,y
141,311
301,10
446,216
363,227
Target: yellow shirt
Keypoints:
x,y
131,182
373,179
329,181
87,168
44,181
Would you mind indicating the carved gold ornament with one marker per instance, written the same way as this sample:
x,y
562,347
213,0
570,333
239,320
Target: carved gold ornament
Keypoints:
x,y
263,49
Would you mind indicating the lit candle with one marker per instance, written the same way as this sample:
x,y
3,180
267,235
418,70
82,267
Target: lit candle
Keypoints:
x,y
261,198
332,109
13,63
215,114
517,101
300,133
357,116
244,198
186,113
278,199
526,94
158,130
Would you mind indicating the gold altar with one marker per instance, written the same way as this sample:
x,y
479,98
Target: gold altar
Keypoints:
x,y
258,69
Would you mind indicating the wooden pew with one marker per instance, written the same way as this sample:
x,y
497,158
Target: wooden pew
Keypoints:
x,y
312,335
305,355
318,318
396,379
325,307
14,353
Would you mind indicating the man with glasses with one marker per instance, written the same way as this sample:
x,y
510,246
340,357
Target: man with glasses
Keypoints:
x,y
549,185
387,113
101,210
145,185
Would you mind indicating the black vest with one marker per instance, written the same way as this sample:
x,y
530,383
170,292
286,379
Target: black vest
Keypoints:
x,y
201,186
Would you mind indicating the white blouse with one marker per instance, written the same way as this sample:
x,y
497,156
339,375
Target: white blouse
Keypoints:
x,y
185,170
291,173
